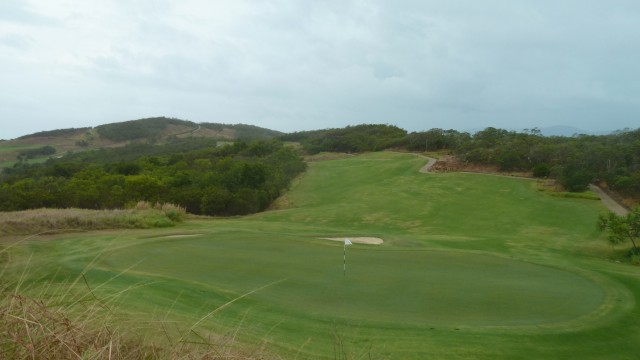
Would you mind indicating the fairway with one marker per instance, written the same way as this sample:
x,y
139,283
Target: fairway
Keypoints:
x,y
472,266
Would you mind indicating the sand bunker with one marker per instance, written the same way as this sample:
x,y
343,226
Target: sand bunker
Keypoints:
x,y
359,240
182,235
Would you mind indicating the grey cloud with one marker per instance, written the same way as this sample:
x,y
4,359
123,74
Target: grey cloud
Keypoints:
x,y
290,65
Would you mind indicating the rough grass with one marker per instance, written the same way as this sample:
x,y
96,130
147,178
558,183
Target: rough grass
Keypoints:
x,y
549,187
65,318
142,216
85,327
32,329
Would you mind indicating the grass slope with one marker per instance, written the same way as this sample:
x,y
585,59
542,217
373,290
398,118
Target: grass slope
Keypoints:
x,y
472,266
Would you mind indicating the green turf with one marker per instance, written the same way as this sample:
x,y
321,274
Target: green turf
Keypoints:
x,y
473,266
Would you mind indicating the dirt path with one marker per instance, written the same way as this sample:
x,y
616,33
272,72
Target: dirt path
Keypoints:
x,y
608,201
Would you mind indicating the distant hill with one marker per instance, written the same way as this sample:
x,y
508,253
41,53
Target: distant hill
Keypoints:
x,y
156,130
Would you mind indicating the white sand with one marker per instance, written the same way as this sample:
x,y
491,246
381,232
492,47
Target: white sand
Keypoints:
x,y
359,240
182,235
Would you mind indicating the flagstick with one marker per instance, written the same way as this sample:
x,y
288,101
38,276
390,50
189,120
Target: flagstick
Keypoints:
x,y
344,257
344,260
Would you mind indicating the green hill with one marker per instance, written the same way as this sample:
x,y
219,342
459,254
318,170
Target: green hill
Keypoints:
x,y
159,130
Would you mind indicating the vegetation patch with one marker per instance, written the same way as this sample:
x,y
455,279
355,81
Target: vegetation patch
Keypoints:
x,y
588,195
142,216
239,179
551,188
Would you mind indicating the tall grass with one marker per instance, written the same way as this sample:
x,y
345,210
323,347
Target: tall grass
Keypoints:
x,y
69,321
142,215
35,328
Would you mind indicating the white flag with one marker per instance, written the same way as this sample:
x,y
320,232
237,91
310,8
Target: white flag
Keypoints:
x,y
347,242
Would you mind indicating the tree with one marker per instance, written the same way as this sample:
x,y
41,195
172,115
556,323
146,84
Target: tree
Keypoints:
x,y
622,228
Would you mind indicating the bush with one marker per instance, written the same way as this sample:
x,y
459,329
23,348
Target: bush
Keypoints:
x,y
575,180
541,170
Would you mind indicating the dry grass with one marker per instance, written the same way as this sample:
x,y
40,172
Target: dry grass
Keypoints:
x,y
143,215
68,321
33,330
38,329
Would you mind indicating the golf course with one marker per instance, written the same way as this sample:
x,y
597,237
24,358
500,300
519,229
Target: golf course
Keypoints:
x,y
471,266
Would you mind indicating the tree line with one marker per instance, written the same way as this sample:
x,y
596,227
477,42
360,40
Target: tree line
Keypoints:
x,y
235,179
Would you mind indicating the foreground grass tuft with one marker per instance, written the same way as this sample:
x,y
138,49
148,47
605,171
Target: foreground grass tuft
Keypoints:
x,y
33,330
37,329
71,322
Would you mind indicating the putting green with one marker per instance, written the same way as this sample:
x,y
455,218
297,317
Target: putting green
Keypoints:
x,y
383,285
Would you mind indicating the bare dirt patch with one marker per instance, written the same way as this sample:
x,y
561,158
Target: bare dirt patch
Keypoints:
x,y
358,240
451,164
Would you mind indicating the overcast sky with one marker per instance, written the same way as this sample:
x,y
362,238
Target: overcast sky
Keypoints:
x,y
298,65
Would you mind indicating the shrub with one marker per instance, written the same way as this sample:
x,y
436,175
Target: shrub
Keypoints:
x,y
541,170
575,180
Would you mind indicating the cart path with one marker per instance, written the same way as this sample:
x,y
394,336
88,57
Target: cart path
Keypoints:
x,y
611,204
430,161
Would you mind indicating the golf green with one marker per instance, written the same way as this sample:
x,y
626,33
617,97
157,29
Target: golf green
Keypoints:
x,y
432,288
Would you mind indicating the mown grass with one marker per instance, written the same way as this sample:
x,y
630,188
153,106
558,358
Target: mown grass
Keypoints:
x,y
472,266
